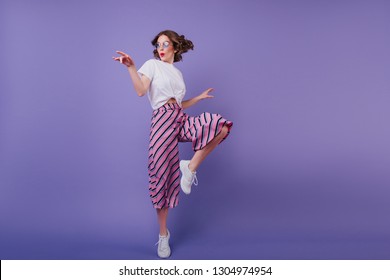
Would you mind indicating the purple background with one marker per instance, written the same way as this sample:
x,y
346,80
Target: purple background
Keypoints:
x,y
303,175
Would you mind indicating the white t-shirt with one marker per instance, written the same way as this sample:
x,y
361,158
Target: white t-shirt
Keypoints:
x,y
166,82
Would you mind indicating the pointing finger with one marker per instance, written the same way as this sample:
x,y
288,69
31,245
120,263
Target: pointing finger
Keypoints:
x,y
122,53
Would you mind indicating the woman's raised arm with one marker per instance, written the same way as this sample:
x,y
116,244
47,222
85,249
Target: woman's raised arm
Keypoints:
x,y
141,84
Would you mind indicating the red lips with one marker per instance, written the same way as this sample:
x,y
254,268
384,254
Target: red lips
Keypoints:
x,y
162,54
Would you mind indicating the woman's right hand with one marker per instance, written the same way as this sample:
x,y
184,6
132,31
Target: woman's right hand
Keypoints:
x,y
124,59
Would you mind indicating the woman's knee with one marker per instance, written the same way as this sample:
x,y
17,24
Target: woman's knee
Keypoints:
x,y
224,131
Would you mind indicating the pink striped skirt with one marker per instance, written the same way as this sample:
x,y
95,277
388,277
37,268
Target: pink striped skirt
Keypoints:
x,y
169,126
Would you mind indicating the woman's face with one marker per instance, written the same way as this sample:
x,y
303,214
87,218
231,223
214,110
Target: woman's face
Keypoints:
x,y
165,49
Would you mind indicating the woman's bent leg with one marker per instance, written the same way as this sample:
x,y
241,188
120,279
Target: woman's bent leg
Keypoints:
x,y
200,155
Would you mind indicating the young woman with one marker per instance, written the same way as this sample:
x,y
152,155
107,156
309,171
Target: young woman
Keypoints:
x,y
166,89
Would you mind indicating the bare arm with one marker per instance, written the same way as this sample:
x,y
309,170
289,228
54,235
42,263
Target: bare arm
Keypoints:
x,y
190,102
141,84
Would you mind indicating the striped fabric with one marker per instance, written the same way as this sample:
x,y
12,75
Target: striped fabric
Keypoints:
x,y
169,126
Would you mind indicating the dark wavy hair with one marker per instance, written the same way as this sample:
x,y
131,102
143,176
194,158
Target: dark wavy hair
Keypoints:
x,y
180,44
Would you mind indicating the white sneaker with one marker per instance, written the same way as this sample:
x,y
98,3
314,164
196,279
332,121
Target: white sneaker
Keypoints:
x,y
187,178
163,249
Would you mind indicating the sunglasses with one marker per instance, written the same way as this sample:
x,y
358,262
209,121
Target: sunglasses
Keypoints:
x,y
165,45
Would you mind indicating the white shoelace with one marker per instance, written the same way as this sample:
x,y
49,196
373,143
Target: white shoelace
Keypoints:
x,y
194,180
162,239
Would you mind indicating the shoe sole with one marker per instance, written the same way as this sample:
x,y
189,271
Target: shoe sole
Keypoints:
x,y
182,166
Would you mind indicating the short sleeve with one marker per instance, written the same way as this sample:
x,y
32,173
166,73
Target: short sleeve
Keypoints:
x,y
148,69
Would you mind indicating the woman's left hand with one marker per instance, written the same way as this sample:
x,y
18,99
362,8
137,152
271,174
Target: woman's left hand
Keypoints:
x,y
205,94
